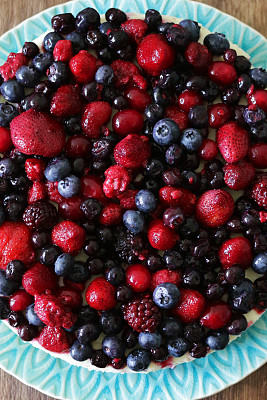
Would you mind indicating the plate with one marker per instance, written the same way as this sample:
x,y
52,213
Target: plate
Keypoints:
x,y
197,379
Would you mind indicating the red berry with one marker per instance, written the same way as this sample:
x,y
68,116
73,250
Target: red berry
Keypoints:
x,y
92,186
111,214
138,277
20,300
70,297
183,198
37,192
9,68
127,199
94,116
190,306
34,168
216,315
54,339
165,275
238,176
100,294
117,180
137,98
208,150
78,146
176,114
198,55
257,155
125,122
67,101
127,74
160,236
232,141
83,67
38,279
230,55
222,73
63,51
155,54
70,209
136,29
53,193
133,151
79,286
236,251
259,193
188,99
142,314
69,236
6,143
219,114
258,97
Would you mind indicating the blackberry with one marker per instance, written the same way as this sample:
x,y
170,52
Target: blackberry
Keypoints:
x,y
40,215
129,246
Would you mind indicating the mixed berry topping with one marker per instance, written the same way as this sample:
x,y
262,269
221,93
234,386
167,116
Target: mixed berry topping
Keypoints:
x,y
133,191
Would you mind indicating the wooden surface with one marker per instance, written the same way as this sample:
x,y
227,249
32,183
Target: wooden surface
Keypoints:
x,y
253,13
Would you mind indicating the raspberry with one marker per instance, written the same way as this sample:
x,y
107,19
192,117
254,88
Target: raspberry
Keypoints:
x,y
37,192
183,198
69,236
160,236
117,180
53,339
142,314
127,74
34,169
40,215
127,199
111,214
132,151
100,295
259,191
63,51
66,101
129,247
180,117
9,68
190,307
53,193
94,116
136,29
83,66
38,279
165,275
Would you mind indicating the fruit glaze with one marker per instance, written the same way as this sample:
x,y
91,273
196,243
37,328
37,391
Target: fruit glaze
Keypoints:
x,y
133,208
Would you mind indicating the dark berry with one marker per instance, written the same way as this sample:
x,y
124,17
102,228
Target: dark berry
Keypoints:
x,y
87,19
27,332
138,360
30,49
115,17
15,270
216,43
194,332
80,352
89,332
63,23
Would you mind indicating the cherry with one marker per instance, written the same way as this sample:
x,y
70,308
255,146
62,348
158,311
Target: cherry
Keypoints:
x,y
188,99
216,315
138,277
127,121
230,55
222,73
208,150
20,300
218,114
137,98
92,186
70,208
198,55
78,146
6,143
258,97
70,296
257,155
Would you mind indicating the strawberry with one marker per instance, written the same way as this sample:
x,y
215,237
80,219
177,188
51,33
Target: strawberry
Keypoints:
x,y
37,192
183,198
236,251
127,199
34,168
127,74
69,236
232,141
38,279
160,236
100,294
9,68
66,101
238,176
53,193
259,190
133,151
117,180
83,67
190,306
214,208
176,114
63,51
53,339
94,116
111,214
15,243
216,315
155,54
165,275
51,311
136,29
37,133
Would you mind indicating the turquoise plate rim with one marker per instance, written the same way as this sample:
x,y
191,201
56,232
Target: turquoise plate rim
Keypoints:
x,y
198,379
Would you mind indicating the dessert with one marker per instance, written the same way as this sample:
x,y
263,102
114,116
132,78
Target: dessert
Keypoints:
x,y
132,245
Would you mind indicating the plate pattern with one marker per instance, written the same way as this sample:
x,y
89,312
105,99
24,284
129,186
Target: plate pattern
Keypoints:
x,y
191,381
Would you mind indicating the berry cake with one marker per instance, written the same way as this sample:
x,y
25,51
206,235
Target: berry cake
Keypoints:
x,y
133,215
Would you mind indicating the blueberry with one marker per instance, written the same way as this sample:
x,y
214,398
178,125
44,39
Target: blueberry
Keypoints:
x,y
7,287
217,340
210,92
216,43
78,41
115,275
63,23
39,102
166,132
49,254
237,324
7,113
145,201
4,308
138,360
87,314
59,73
191,139
89,332
166,295
27,76
72,126
80,352
153,19
91,208
64,264
105,55
15,270
258,132
194,332
30,49
42,62
80,273
124,293
177,347
171,327
96,40
105,27
259,77
161,96
198,116
99,359
241,298
118,40
259,264
87,19
134,221
174,155
102,149
192,27
154,112
150,340
113,347
115,17
254,116
178,36
69,186
32,317
154,168
12,91
111,322
57,169
2,215
50,40
173,259
7,168
164,27
104,75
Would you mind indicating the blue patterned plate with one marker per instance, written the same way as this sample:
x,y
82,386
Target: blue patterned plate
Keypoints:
x,y
190,381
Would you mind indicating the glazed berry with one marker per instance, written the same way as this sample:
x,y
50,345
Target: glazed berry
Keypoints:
x,y
111,322
30,49
216,43
234,275
216,315
16,319
192,27
58,73
49,254
69,186
115,275
27,332
237,324
115,17
166,132
230,96
50,41
191,139
177,347
80,352
138,360
12,91
153,19
259,77
87,19
40,239
15,270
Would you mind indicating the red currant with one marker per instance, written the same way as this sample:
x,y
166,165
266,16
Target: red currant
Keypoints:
x,y
78,146
216,315
137,98
218,114
138,277
208,150
230,55
188,99
5,140
127,121
222,73
20,300
70,208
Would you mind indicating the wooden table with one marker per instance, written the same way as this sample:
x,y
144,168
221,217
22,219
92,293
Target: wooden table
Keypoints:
x,y
253,13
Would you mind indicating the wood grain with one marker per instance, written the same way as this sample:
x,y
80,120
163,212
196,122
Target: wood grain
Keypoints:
x,y
253,13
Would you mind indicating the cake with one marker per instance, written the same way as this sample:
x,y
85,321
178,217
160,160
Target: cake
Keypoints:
x,y
146,239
